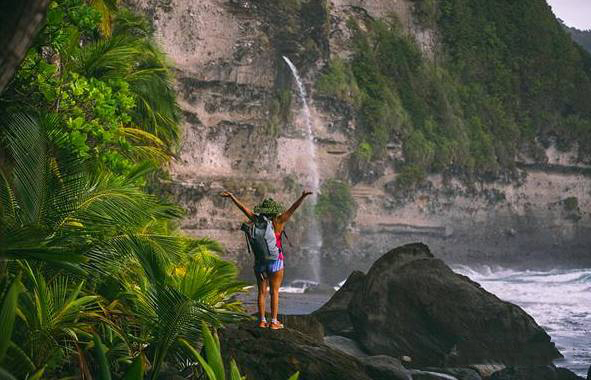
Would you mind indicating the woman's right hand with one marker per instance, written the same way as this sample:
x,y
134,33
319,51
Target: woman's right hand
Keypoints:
x,y
225,194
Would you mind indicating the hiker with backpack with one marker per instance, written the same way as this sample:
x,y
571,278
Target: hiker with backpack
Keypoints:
x,y
263,235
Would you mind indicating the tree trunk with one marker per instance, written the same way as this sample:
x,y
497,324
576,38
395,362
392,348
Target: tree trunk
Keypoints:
x,y
19,23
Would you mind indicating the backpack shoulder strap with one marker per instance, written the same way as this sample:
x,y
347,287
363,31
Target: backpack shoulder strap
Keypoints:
x,y
283,233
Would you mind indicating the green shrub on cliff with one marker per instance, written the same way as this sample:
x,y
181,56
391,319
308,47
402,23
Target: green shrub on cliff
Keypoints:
x,y
471,111
525,63
338,81
336,207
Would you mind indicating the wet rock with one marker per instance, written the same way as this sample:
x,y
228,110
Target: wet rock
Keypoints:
x,y
306,324
535,373
411,303
266,354
589,374
459,373
429,375
384,367
486,370
334,314
346,345
567,374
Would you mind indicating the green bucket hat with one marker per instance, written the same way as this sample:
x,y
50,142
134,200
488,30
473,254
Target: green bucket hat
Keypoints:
x,y
269,207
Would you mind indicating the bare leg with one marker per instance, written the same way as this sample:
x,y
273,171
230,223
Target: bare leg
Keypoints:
x,y
262,284
275,279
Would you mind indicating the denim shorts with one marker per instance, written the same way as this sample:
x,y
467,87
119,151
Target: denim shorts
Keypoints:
x,y
268,267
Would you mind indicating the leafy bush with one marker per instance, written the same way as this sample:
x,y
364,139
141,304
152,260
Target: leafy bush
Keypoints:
x,y
336,207
571,203
280,110
98,70
410,176
426,12
338,81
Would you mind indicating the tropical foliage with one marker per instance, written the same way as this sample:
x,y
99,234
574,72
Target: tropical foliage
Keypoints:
x,y
107,83
95,281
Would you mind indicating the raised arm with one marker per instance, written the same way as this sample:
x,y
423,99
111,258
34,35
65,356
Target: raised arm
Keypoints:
x,y
287,214
238,204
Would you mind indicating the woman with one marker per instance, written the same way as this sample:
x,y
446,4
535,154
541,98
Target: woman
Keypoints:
x,y
269,273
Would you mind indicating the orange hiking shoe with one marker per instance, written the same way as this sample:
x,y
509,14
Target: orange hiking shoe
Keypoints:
x,y
275,325
263,324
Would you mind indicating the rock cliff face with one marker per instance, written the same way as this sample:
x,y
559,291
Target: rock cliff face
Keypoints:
x,y
243,133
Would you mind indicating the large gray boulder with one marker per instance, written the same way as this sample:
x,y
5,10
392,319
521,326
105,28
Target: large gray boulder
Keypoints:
x,y
411,303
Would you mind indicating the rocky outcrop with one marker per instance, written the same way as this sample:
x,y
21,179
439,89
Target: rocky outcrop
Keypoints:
x,y
383,367
409,318
412,304
265,354
305,324
333,314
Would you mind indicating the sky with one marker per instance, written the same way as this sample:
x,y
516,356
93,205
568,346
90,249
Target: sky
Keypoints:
x,y
575,13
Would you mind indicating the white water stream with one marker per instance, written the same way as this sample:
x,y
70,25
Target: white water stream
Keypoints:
x,y
313,235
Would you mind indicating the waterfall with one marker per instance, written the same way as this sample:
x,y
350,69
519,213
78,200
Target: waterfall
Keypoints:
x,y
313,236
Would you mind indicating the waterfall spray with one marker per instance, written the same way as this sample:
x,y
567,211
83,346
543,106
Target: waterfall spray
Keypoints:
x,y
314,238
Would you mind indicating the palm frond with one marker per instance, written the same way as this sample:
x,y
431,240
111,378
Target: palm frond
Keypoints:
x,y
112,201
130,23
8,203
54,313
107,9
25,142
8,314
211,280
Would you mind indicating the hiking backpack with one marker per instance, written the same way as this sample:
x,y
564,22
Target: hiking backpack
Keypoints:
x,y
260,239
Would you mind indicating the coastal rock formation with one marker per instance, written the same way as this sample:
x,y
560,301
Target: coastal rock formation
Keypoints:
x,y
333,314
410,303
265,354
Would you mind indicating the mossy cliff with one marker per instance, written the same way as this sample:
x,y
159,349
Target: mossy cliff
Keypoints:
x,y
462,123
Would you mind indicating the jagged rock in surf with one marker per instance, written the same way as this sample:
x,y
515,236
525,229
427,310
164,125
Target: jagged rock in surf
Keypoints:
x,y
411,303
535,373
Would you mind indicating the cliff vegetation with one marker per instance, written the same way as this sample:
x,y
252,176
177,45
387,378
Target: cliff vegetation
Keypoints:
x,y
491,93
